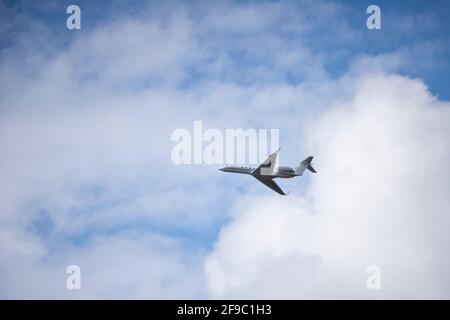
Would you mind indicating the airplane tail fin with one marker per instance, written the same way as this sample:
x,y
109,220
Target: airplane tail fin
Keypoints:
x,y
305,164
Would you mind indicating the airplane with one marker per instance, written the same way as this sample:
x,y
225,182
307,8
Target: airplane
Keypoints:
x,y
267,171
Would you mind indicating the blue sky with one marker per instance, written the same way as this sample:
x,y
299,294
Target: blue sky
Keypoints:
x,y
87,117
407,24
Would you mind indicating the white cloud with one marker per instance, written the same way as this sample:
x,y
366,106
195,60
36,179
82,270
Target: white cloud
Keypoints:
x,y
127,265
380,197
85,142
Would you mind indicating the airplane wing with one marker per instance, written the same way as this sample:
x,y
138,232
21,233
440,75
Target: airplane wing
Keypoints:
x,y
271,184
267,167
265,170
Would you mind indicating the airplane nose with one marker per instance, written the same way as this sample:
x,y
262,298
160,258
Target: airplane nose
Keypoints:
x,y
223,168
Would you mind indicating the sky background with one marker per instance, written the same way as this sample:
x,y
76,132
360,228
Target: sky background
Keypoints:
x,y
86,177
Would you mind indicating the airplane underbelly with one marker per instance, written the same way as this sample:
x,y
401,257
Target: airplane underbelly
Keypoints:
x,y
283,175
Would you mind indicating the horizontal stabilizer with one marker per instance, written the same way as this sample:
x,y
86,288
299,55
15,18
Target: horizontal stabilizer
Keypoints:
x,y
305,164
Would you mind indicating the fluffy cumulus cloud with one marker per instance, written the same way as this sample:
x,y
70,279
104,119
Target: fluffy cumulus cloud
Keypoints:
x,y
127,265
380,198
86,176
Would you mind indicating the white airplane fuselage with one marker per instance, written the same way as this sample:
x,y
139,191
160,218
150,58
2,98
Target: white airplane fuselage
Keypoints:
x,y
267,171
280,172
